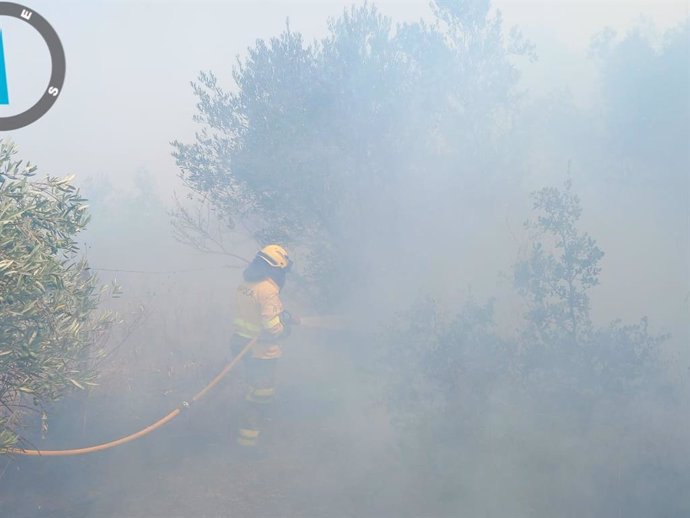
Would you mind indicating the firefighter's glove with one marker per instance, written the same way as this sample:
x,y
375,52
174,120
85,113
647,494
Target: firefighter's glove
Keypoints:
x,y
289,320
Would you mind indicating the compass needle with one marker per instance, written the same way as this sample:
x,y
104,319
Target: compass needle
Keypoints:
x,y
4,95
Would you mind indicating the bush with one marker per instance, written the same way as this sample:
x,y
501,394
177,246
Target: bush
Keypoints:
x,y
559,392
48,300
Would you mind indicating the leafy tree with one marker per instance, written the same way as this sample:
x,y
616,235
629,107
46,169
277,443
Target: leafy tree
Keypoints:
x,y
646,107
563,265
444,372
555,279
320,141
48,300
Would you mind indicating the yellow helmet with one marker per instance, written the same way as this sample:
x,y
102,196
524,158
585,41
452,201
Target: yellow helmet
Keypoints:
x,y
276,256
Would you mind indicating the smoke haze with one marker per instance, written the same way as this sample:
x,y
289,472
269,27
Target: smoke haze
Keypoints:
x,y
433,395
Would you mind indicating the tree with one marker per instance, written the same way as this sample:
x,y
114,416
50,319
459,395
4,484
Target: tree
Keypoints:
x,y
320,142
49,326
646,107
555,280
563,265
462,396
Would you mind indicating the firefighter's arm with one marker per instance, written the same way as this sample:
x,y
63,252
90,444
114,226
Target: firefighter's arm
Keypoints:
x,y
271,312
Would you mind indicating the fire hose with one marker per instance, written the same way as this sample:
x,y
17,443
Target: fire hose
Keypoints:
x,y
322,322
144,431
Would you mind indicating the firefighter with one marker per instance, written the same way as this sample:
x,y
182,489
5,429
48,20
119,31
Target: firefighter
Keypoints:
x,y
260,314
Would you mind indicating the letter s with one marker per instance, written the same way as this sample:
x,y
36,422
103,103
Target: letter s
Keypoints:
x,y
53,91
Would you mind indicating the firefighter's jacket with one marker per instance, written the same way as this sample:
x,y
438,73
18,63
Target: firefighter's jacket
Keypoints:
x,y
259,310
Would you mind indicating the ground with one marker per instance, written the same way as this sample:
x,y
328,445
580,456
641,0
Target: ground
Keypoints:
x,y
326,452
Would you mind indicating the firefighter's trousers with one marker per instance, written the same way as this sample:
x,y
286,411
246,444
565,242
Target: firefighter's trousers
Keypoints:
x,y
260,379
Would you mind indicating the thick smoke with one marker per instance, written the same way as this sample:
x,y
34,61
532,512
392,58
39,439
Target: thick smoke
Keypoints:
x,y
399,162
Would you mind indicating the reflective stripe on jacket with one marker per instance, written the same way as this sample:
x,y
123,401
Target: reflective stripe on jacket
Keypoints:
x,y
258,314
